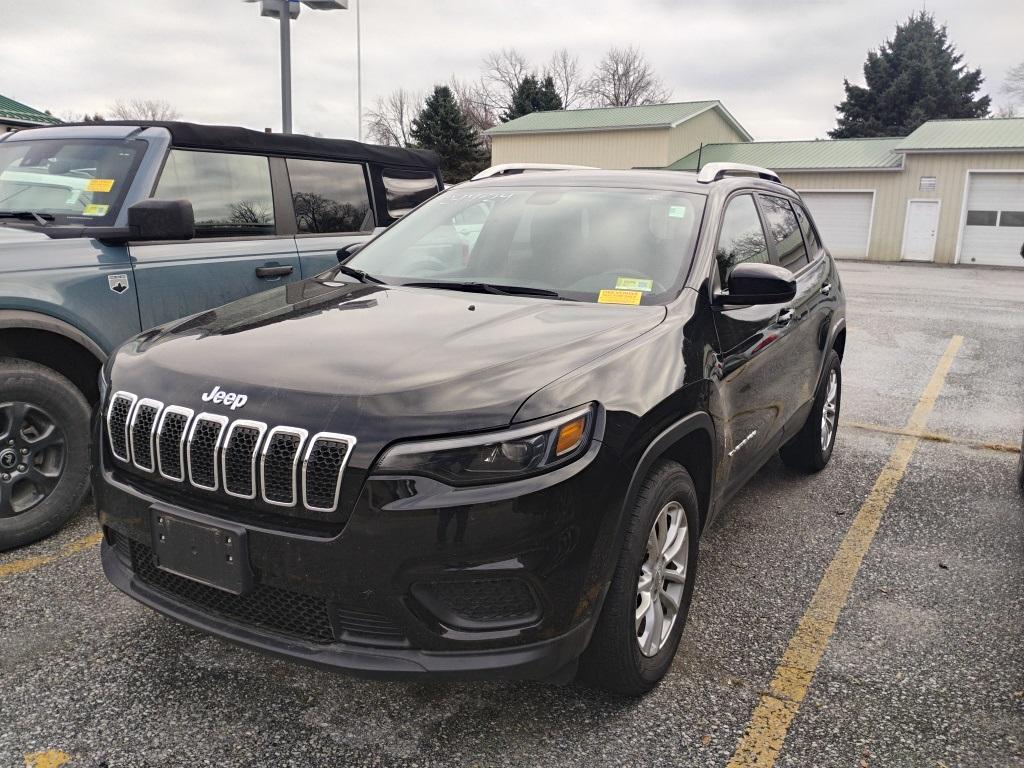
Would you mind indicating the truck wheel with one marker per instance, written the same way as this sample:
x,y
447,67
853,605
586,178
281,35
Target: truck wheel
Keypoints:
x,y
44,451
811,447
643,615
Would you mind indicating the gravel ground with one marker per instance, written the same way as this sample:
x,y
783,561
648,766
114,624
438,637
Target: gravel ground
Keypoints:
x,y
926,667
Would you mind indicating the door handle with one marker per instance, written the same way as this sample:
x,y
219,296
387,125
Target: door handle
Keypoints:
x,y
826,289
784,317
278,271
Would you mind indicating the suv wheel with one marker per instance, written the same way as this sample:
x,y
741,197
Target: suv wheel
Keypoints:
x,y
44,451
811,447
644,613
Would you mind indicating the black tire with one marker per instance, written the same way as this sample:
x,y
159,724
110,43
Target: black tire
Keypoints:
x,y
805,451
44,451
614,660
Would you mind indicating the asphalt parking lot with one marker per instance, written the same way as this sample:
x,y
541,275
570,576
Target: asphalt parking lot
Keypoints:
x,y
924,666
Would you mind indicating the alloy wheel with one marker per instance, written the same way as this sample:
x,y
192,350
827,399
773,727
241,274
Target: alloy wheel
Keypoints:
x,y
659,591
33,452
828,410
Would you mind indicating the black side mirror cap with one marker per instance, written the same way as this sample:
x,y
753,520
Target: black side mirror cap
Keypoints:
x,y
156,219
348,251
758,284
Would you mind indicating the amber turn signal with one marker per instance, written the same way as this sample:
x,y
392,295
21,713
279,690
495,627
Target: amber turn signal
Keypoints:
x,y
570,435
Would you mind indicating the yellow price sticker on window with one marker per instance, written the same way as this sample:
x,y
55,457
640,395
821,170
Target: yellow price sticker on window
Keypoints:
x,y
95,210
99,185
619,297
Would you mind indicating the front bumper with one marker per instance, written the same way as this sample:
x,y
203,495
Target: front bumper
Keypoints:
x,y
507,584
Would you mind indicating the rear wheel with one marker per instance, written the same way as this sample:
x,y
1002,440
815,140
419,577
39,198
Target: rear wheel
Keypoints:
x,y
644,613
811,447
44,451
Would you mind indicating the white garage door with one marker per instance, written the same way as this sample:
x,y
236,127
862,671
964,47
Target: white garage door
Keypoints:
x,y
994,225
844,220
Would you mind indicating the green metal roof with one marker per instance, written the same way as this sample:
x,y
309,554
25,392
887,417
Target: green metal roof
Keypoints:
x,y
978,133
837,154
614,118
20,113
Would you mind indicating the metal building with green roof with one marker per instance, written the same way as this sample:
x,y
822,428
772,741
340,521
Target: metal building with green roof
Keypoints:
x,y
14,115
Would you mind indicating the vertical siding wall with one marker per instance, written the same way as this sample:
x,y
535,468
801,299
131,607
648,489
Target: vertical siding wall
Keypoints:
x,y
894,188
603,149
707,128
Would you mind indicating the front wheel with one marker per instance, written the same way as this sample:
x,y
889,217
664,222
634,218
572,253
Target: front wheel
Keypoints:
x,y
644,613
44,451
811,447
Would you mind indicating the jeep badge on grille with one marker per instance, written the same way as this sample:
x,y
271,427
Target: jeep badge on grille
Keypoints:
x,y
232,399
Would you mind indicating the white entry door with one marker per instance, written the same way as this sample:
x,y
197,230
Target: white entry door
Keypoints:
x,y
920,230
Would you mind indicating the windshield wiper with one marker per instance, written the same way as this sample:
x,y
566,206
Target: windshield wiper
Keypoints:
x,y
358,274
495,288
40,218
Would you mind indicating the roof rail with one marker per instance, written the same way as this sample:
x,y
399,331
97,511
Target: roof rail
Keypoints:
x,y
511,169
715,171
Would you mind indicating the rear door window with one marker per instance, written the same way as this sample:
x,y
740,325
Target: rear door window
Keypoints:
x,y
810,236
329,197
230,194
741,238
785,232
406,189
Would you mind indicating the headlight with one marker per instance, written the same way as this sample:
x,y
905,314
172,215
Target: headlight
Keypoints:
x,y
497,456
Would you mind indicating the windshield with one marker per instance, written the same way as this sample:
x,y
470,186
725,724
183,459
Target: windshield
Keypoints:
x,y
76,181
609,245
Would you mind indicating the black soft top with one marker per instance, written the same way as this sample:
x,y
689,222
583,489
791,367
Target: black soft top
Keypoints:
x,y
230,137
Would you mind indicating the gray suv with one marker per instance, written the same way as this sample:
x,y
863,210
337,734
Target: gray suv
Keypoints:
x,y
109,229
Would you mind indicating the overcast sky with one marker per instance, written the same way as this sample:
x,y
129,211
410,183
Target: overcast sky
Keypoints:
x,y
777,66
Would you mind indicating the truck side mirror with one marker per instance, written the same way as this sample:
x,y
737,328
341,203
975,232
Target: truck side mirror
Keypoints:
x,y
156,219
758,284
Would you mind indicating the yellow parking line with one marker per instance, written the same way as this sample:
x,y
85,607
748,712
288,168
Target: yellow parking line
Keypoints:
x,y
51,758
934,437
30,563
770,721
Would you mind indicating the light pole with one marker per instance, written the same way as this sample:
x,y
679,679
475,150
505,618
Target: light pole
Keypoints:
x,y
275,9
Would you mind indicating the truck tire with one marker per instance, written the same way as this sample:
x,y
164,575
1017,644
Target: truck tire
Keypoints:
x,y
811,447
44,451
645,610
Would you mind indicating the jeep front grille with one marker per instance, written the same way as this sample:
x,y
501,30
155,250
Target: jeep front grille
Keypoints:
x,y
244,459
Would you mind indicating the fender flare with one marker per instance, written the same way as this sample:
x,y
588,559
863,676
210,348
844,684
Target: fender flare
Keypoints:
x,y
699,421
18,318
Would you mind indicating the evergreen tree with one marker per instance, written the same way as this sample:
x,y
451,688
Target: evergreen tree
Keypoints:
x,y
442,127
916,76
532,95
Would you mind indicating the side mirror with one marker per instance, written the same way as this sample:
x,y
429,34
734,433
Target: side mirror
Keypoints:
x,y
758,284
162,220
348,251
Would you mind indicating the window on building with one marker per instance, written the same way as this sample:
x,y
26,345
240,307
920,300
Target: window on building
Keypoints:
x,y
742,238
1011,219
407,189
785,231
329,197
230,194
982,218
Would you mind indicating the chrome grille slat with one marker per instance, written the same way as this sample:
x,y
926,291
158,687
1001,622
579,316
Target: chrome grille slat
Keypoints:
x,y
322,468
238,458
214,453
204,441
143,427
170,442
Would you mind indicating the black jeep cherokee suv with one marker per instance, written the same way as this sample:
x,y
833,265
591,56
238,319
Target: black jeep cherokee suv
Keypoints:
x,y
487,443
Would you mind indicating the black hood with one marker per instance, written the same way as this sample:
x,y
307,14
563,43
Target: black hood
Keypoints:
x,y
377,362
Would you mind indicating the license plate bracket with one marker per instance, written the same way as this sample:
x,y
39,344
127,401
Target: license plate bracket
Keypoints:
x,y
211,554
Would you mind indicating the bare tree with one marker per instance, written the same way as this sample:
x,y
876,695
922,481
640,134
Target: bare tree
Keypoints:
x,y
564,69
476,103
1014,83
624,78
143,109
502,72
389,121
1005,110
